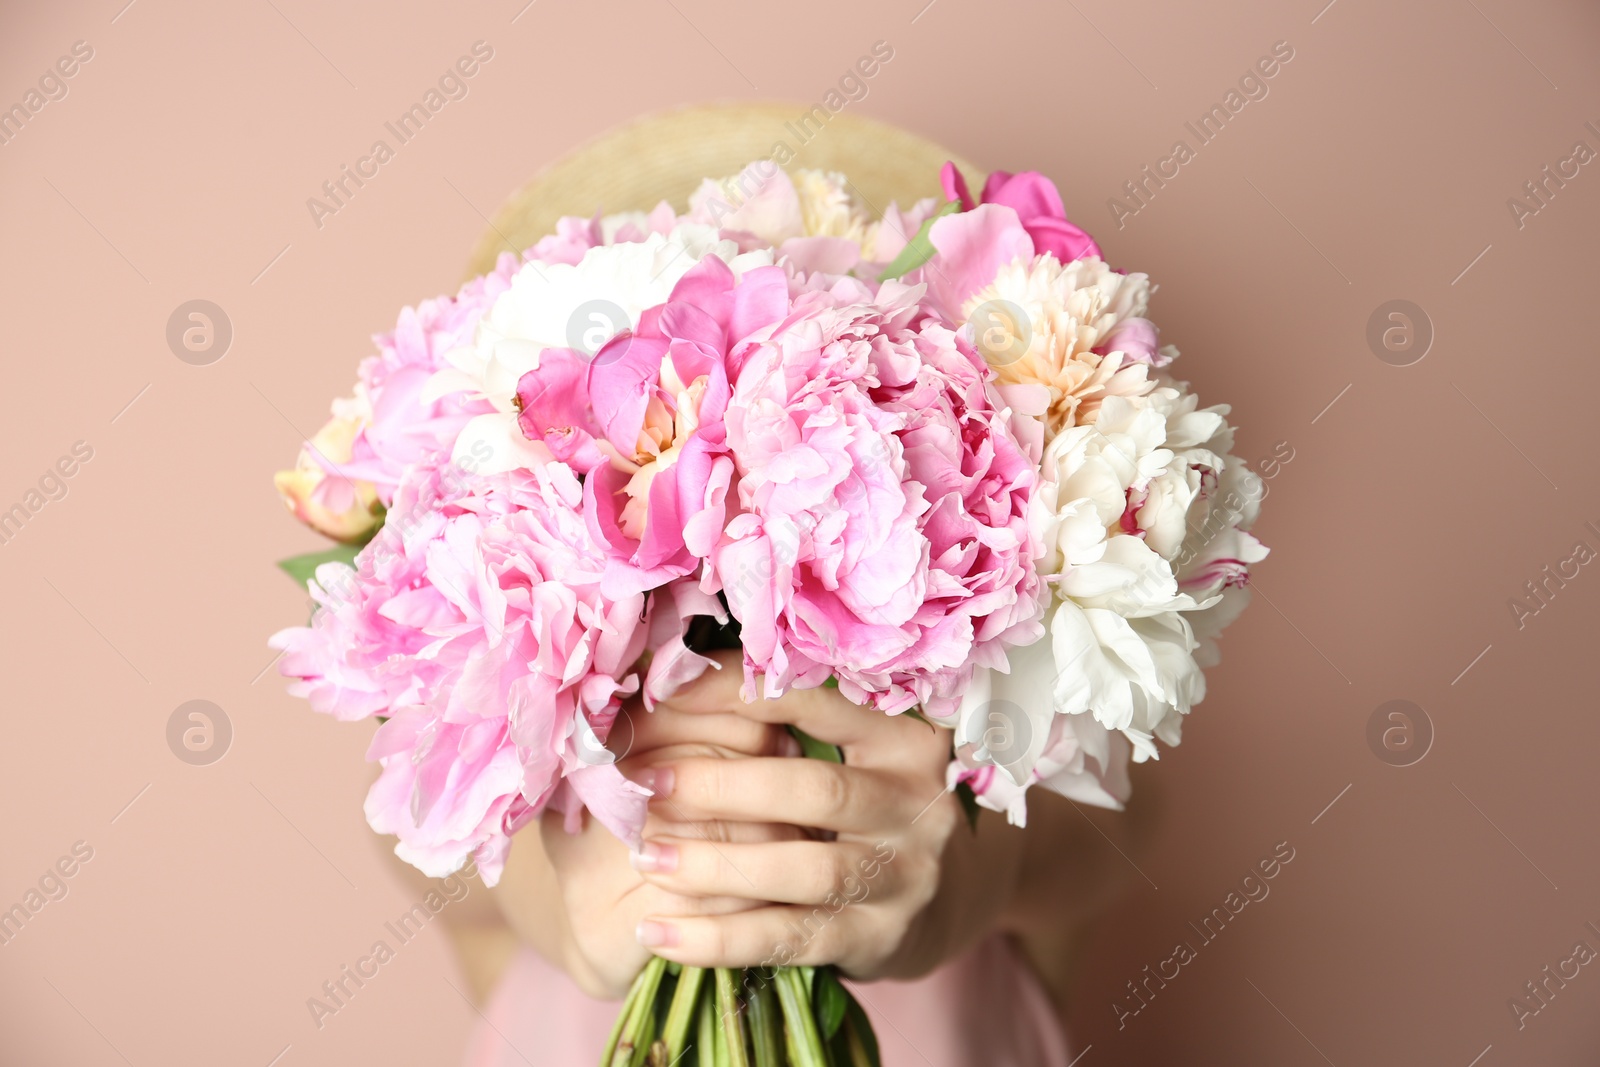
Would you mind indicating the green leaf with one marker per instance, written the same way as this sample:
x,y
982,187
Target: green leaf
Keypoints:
x,y
811,748
920,248
969,803
303,568
861,1028
831,1001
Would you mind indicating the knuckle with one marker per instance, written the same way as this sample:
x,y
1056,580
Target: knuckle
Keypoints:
x,y
890,936
833,941
938,820
831,791
715,939
725,873
706,783
828,875
920,880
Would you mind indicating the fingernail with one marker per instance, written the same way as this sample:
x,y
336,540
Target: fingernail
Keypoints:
x,y
655,857
656,935
660,782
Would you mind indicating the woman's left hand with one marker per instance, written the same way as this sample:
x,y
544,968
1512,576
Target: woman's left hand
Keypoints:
x,y
895,884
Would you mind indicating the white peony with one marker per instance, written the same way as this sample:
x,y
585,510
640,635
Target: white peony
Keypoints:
x,y
1140,522
1074,755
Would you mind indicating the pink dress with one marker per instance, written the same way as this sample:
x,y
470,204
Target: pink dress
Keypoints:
x,y
987,1009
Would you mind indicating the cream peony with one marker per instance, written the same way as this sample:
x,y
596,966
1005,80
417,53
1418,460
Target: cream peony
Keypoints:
x,y
811,218
1068,313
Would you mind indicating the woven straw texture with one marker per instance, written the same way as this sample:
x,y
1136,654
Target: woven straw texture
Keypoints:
x,y
665,156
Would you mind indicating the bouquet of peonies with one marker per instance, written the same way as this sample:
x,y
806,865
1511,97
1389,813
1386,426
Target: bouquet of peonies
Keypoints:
x,y
936,459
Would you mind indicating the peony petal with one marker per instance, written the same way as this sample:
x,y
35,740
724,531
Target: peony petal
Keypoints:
x,y
972,246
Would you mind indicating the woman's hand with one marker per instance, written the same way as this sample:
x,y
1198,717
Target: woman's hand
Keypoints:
x,y
894,884
601,897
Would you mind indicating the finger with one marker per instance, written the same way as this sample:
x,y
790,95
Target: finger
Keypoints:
x,y
823,712
720,831
581,861
728,733
780,935
794,872
804,792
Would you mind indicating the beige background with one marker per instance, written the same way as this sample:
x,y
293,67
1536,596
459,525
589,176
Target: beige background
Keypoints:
x,y
1377,168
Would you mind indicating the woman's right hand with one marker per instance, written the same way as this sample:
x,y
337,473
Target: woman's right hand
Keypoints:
x,y
600,895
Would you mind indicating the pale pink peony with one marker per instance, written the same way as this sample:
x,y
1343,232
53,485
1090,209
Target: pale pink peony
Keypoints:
x,y
349,471
475,621
403,428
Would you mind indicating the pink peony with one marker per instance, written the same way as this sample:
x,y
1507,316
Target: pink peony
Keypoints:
x,y
475,622
1019,219
881,534
643,419
830,458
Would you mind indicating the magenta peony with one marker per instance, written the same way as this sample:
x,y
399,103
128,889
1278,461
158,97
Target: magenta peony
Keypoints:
x,y
1038,206
475,622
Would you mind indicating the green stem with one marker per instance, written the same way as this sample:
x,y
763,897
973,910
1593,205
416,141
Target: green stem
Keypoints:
x,y
732,1020
719,1035
705,1042
799,1019
622,1018
638,1015
765,1025
644,1038
676,1031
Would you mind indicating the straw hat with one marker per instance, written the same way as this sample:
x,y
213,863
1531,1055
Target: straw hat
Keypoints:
x,y
665,156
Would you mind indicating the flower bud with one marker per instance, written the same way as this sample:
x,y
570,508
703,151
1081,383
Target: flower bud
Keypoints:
x,y
323,498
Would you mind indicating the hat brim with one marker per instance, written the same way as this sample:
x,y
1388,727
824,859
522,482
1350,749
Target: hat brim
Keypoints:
x,y
666,155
